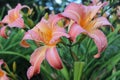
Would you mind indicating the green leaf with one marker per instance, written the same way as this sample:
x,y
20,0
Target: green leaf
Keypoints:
x,y
46,71
2,13
13,53
114,75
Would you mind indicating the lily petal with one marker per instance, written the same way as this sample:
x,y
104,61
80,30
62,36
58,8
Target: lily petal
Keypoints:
x,y
73,11
3,75
31,35
50,23
100,41
91,11
5,19
53,58
43,24
75,30
4,78
18,7
58,33
102,21
36,59
3,32
53,19
79,12
17,23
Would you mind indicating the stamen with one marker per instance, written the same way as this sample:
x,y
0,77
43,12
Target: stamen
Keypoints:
x,y
45,36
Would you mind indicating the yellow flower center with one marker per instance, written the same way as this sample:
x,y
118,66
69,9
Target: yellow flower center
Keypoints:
x,y
87,24
46,35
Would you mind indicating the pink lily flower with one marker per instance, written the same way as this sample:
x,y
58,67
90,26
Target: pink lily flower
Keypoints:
x,y
85,22
13,19
48,33
3,75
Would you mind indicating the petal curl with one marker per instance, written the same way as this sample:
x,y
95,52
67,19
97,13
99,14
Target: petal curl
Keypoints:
x,y
91,11
30,35
59,32
80,13
36,59
102,21
53,19
75,30
3,73
5,19
41,26
53,58
50,23
3,32
100,41
73,11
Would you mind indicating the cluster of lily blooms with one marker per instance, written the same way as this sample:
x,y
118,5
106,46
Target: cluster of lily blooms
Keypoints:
x,y
81,19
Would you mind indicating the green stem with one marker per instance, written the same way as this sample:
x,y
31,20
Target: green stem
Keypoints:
x,y
10,73
78,70
78,42
74,56
38,13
